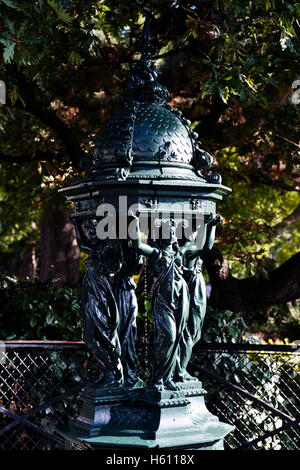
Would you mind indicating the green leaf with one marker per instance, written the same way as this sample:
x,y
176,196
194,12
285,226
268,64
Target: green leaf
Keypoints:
x,y
11,4
8,52
33,321
224,94
104,7
9,24
49,318
286,43
74,57
61,12
57,371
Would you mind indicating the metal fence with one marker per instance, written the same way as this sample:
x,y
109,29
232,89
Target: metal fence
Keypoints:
x,y
256,389
253,387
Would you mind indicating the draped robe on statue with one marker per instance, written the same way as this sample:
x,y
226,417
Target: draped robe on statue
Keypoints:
x,y
101,320
124,291
170,304
192,332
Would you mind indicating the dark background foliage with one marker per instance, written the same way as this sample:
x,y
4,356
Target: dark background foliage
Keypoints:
x,y
232,68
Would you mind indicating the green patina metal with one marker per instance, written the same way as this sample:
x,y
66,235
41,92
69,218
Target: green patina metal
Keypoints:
x,y
148,418
149,154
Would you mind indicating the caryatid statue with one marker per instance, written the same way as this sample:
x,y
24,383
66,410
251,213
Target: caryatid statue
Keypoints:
x,y
197,303
109,306
124,291
171,301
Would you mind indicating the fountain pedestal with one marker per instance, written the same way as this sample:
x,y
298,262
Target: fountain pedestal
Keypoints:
x,y
147,418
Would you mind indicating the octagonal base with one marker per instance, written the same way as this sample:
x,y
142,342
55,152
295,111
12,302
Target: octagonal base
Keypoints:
x,y
146,419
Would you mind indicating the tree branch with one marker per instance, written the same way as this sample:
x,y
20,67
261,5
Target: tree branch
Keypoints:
x,y
27,158
287,222
37,106
251,295
265,179
210,125
258,177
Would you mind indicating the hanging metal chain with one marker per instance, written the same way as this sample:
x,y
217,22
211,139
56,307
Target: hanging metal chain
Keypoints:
x,y
146,319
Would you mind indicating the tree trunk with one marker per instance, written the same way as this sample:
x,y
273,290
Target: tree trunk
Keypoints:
x,y
253,294
59,252
25,264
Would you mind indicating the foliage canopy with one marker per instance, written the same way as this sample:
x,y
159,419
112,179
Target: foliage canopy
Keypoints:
x,y
232,68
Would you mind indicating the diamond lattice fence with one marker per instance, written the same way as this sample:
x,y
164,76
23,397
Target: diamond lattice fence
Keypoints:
x,y
255,388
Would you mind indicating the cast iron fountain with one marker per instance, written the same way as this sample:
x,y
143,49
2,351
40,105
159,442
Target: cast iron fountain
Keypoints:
x,y
147,173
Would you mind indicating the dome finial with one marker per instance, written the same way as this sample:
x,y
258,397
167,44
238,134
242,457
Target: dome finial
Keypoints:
x,y
146,28
143,85
145,46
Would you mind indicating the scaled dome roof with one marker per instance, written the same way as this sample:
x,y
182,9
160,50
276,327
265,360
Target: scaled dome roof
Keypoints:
x,y
156,134
147,139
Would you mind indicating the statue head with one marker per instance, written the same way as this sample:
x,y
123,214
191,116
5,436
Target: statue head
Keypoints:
x,y
89,229
169,234
110,255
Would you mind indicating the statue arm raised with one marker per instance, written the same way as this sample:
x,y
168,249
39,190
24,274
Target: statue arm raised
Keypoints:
x,y
82,239
211,232
142,248
193,250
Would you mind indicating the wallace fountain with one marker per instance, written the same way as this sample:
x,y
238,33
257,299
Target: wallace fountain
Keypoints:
x,y
147,197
